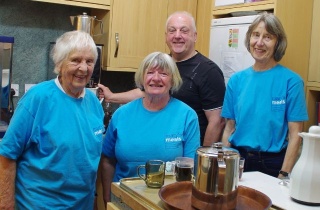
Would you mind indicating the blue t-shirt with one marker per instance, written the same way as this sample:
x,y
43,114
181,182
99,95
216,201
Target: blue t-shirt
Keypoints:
x,y
262,104
56,141
136,135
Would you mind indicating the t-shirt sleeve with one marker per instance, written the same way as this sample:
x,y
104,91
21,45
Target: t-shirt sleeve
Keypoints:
x,y
192,135
18,134
228,103
297,110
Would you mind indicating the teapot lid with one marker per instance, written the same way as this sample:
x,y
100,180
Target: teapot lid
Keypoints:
x,y
85,15
217,148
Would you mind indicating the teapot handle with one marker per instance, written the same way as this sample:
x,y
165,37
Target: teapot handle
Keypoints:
x,y
101,27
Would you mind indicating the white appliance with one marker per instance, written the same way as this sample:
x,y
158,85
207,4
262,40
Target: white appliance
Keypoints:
x,y
227,47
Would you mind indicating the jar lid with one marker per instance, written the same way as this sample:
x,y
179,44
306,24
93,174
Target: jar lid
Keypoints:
x,y
214,150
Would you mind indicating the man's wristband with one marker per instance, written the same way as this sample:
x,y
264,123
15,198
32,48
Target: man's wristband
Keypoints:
x,y
284,173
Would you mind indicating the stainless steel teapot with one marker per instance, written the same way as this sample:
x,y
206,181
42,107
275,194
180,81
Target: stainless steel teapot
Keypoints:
x,y
85,23
216,177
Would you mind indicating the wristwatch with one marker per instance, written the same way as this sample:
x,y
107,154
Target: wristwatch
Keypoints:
x,y
284,173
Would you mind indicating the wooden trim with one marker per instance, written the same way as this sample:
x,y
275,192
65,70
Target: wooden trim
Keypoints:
x,y
78,4
127,198
254,6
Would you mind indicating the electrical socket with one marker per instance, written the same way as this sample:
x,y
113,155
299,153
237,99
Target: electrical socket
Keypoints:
x,y
16,89
27,87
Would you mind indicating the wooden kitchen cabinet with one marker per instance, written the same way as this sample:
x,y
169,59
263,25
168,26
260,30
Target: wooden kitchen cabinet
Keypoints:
x,y
313,83
133,29
99,4
135,32
296,18
314,64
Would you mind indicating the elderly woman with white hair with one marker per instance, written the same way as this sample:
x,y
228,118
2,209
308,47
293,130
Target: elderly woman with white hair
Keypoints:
x,y
50,153
156,126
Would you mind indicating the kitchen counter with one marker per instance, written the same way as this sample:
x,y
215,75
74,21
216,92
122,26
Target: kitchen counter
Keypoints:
x,y
134,194
270,186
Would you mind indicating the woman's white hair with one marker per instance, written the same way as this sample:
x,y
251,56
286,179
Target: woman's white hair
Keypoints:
x,y
69,42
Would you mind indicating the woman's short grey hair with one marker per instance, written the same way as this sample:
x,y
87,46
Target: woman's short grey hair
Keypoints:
x,y
162,61
274,27
70,42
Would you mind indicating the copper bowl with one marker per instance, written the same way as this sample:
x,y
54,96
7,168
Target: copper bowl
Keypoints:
x,y
201,200
178,196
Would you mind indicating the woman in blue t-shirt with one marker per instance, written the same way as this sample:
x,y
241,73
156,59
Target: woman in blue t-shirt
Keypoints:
x,y
264,105
156,126
50,153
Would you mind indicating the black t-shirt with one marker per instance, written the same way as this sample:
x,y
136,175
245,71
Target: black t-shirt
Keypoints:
x,y
203,87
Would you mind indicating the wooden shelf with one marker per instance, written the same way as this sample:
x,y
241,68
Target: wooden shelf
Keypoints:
x,y
254,6
313,84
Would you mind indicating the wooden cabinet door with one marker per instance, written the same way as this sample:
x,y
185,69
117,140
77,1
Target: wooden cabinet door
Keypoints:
x,y
181,5
137,29
298,30
314,63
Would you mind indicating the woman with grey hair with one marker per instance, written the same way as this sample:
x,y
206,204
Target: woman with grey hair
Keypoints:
x,y
156,126
265,104
50,153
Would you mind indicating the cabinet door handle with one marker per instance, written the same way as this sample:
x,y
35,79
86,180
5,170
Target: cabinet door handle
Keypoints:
x,y
117,45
